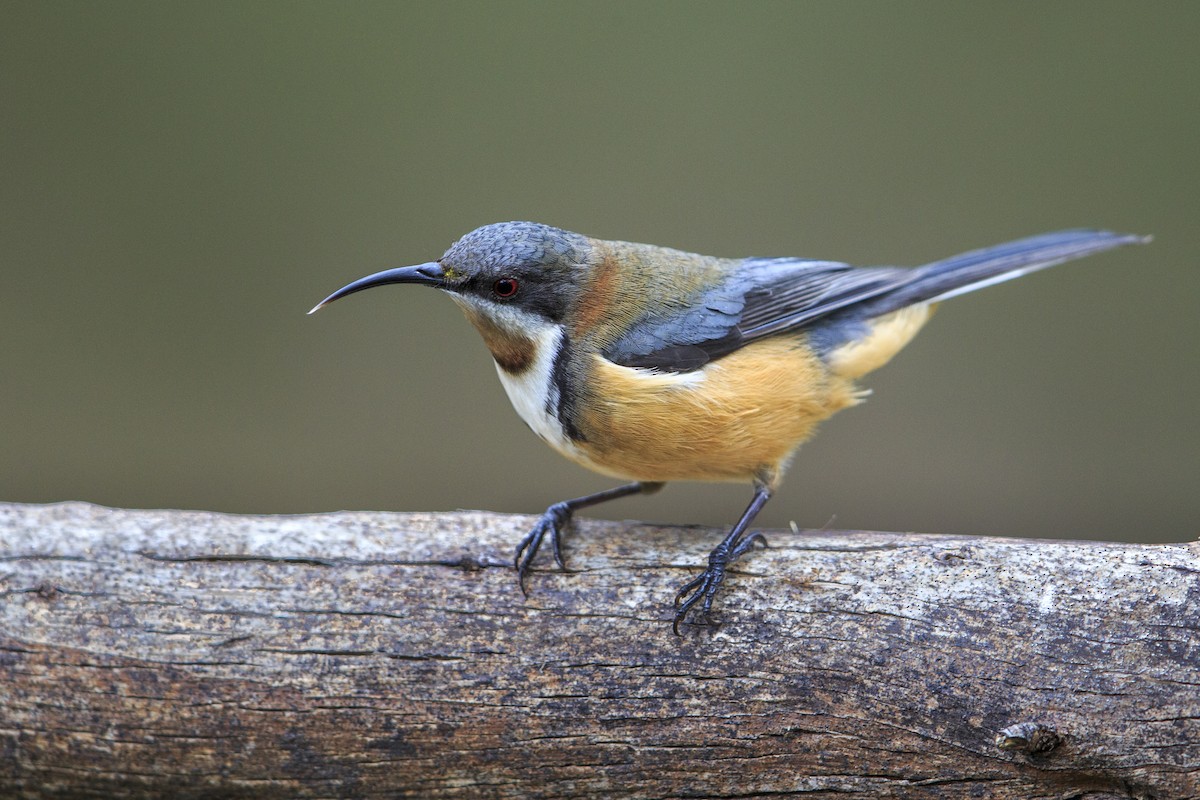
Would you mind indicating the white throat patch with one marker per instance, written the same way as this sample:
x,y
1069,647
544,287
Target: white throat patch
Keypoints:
x,y
533,393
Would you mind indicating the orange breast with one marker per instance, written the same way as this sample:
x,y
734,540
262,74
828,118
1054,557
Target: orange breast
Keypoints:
x,y
738,418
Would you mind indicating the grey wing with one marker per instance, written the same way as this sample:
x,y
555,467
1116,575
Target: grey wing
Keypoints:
x,y
791,295
764,296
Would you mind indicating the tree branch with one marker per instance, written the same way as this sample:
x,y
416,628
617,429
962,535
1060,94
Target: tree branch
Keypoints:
x,y
190,654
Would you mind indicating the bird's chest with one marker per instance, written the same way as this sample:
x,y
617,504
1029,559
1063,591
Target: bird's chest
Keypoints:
x,y
735,419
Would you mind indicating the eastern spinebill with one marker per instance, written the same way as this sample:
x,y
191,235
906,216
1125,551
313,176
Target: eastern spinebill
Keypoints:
x,y
651,364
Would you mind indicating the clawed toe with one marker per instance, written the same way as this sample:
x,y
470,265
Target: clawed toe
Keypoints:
x,y
551,524
703,587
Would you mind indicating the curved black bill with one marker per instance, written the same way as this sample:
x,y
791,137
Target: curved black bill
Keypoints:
x,y
430,274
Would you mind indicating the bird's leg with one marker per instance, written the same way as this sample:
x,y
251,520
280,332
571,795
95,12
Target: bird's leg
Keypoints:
x,y
556,518
731,548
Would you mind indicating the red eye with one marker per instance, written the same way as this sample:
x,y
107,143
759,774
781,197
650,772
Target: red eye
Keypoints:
x,y
505,287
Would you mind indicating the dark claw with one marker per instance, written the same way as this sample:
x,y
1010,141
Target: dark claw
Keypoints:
x,y
551,523
556,540
704,586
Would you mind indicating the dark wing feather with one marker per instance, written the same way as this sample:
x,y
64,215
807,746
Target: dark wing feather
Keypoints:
x,y
763,296
792,293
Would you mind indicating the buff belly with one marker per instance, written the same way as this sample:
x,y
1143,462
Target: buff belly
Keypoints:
x,y
736,419
739,418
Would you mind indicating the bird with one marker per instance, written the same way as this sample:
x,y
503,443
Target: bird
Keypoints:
x,y
650,364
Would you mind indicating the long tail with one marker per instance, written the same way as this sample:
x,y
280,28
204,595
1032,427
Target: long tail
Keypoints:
x,y
967,272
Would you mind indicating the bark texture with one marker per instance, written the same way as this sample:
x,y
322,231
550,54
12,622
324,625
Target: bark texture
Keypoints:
x,y
190,654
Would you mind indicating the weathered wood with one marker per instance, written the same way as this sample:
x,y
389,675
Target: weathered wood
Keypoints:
x,y
189,654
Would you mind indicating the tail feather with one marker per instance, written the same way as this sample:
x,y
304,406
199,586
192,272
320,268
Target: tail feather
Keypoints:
x,y
967,272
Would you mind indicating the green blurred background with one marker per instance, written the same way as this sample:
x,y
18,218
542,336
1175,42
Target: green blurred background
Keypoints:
x,y
182,181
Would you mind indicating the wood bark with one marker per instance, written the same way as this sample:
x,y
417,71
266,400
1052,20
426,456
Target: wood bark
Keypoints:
x,y
200,655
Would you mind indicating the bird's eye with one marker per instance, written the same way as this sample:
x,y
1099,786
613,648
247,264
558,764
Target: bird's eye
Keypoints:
x,y
505,287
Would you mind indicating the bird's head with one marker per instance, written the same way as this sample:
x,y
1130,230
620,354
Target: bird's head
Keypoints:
x,y
515,281
505,270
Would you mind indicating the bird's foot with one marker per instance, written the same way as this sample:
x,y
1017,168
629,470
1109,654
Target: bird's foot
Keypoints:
x,y
552,522
703,587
